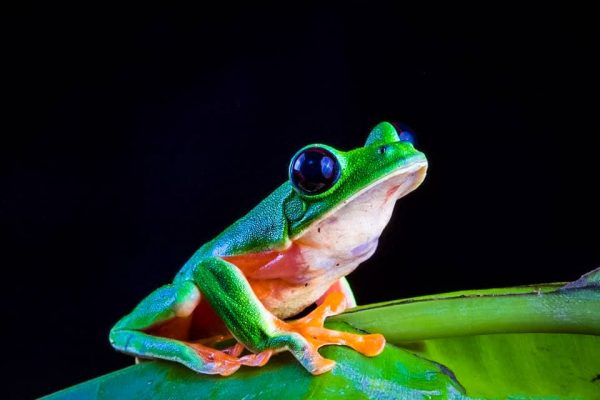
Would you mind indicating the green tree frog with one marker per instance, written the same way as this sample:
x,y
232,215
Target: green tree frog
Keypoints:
x,y
291,251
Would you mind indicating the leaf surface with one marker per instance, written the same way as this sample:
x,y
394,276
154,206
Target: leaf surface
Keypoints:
x,y
540,341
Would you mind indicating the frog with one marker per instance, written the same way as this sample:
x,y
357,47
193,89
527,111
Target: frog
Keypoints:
x,y
236,301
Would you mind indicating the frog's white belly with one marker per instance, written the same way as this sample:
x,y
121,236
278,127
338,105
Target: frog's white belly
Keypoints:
x,y
335,245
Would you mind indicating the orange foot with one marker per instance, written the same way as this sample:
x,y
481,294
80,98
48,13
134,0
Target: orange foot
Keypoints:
x,y
303,337
251,360
218,361
228,360
312,330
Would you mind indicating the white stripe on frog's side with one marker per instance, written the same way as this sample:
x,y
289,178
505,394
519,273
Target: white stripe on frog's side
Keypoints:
x,y
345,237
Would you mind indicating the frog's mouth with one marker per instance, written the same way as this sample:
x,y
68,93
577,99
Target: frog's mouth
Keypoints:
x,y
399,183
389,188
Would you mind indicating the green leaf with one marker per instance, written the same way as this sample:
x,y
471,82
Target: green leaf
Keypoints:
x,y
504,365
395,373
519,342
527,342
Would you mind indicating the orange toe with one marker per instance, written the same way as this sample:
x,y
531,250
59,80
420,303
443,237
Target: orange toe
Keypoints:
x,y
256,360
369,345
227,369
235,350
222,363
323,365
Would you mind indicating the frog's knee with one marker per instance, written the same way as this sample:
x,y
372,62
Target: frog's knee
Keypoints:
x,y
120,339
187,298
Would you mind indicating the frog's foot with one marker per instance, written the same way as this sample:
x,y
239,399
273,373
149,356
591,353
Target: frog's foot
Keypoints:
x,y
216,341
256,360
314,335
235,350
218,362
311,327
251,360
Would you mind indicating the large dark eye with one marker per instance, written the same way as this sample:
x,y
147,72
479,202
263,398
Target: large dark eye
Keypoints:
x,y
314,170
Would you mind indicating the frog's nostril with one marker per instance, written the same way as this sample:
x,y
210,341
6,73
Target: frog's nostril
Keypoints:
x,y
383,149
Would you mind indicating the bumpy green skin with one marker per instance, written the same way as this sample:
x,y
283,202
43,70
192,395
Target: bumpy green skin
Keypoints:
x,y
286,213
283,215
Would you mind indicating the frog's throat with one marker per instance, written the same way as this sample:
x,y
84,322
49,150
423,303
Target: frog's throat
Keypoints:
x,y
413,175
333,246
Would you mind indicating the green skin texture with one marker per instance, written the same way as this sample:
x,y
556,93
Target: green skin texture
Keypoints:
x,y
284,215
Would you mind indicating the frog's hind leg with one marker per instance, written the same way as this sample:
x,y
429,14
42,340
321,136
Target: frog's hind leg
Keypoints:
x,y
231,296
167,305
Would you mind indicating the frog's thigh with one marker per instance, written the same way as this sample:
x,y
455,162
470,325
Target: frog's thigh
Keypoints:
x,y
233,299
164,304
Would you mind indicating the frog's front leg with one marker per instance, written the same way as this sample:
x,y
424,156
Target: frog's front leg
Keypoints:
x,y
174,302
231,296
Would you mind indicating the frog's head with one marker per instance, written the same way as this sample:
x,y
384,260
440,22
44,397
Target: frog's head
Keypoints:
x,y
352,193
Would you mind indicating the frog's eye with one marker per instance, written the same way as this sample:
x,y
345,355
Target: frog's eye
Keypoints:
x,y
314,170
405,133
407,136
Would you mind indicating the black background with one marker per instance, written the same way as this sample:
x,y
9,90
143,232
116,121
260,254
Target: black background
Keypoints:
x,y
135,136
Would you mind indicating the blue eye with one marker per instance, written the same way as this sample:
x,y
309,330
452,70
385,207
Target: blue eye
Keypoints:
x,y
406,136
314,170
405,133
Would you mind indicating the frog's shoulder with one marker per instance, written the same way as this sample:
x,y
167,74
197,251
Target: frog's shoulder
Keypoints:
x,y
265,227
